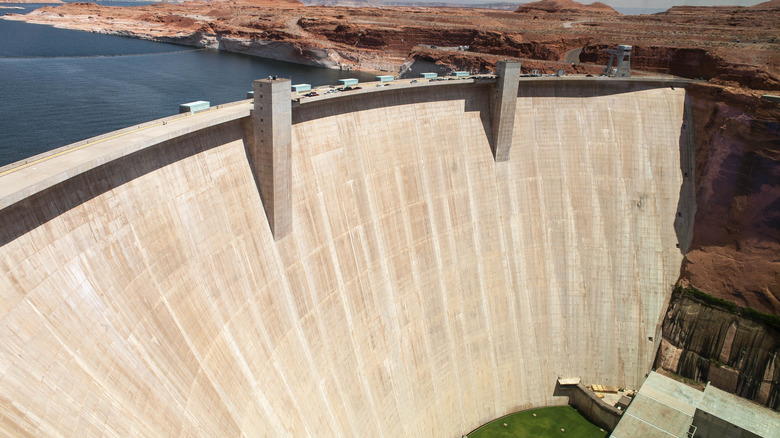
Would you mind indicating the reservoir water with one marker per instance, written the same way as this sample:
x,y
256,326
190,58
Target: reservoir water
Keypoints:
x,y
60,86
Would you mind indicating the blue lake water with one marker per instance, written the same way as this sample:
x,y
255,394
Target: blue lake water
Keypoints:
x,y
61,86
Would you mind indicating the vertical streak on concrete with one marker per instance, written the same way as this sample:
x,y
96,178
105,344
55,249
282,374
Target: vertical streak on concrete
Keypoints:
x,y
249,333
270,151
502,108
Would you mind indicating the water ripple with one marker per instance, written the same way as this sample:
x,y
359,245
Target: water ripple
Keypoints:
x,y
119,55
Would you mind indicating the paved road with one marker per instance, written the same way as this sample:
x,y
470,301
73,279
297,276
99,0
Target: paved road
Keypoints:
x,y
573,56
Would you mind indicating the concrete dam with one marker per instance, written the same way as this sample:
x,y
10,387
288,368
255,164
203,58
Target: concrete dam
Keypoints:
x,y
423,286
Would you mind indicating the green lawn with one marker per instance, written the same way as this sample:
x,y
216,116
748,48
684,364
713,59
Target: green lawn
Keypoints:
x,y
548,422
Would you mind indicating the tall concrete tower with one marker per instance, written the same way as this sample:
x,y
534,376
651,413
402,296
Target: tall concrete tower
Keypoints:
x,y
270,151
502,108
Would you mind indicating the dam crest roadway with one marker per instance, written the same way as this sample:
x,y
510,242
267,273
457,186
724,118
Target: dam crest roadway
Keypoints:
x,y
424,286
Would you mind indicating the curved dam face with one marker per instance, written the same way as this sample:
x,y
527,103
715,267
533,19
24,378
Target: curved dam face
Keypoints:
x,y
424,288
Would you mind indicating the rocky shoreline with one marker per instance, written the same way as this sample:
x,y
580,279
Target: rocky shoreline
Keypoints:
x,y
386,39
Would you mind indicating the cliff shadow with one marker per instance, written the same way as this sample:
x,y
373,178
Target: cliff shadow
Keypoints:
x,y
40,208
686,202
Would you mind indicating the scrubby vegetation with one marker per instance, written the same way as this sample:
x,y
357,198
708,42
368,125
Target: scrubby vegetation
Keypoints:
x,y
746,312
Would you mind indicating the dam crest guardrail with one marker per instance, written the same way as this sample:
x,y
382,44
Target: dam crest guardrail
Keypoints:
x,y
32,175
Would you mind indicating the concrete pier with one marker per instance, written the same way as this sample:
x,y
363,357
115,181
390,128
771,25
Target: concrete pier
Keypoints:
x,y
270,152
502,109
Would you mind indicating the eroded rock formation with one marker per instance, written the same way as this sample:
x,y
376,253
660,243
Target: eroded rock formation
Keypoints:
x,y
565,6
737,354
689,42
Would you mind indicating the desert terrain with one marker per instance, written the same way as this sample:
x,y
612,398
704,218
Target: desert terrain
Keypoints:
x,y
727,45
29,1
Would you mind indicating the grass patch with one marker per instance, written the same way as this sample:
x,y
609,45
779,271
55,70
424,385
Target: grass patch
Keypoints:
x,y
548,422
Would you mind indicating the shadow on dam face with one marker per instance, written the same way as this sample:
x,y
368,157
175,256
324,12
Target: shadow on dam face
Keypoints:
x,y
424,289
395,100
576,89
16,219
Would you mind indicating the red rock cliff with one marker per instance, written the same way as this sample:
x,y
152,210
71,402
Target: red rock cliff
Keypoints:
x,y
735,253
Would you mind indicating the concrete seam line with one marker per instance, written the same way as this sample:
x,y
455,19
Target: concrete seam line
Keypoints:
x,y
668,406
652,425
